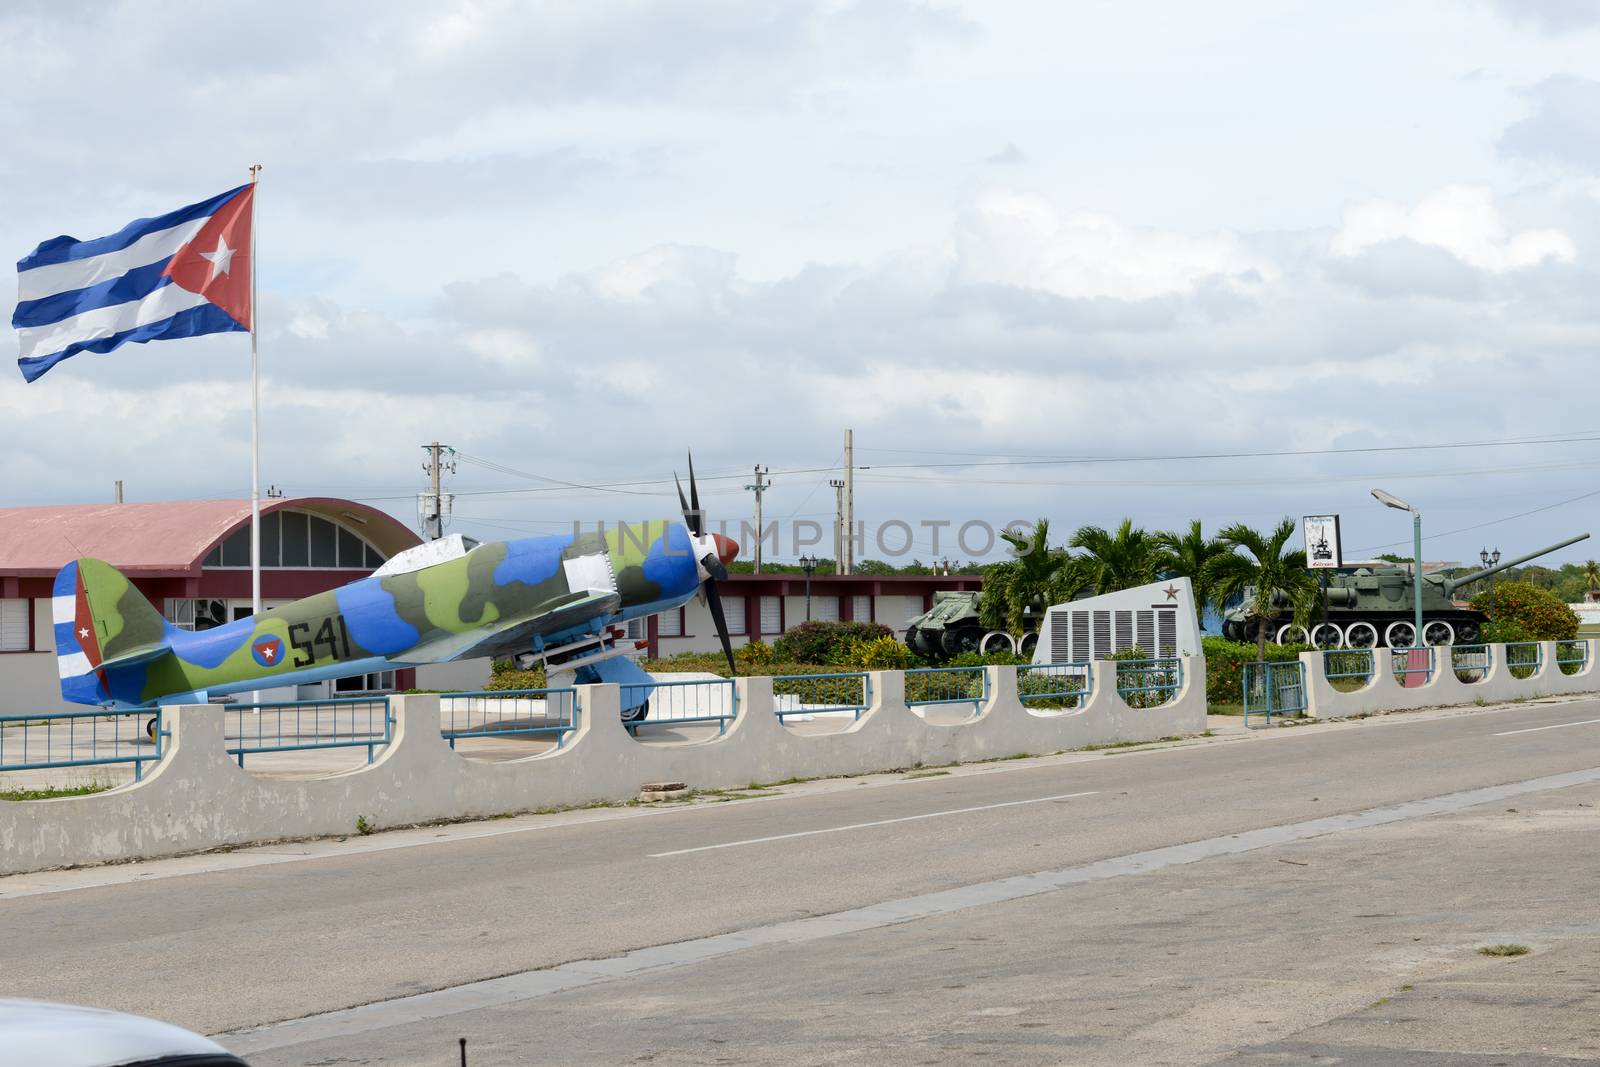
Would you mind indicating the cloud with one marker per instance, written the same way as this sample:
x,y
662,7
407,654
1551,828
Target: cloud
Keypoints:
x,y
365,83
1022,240
1564,127
1551,16
1402,267
1009,156
1462,220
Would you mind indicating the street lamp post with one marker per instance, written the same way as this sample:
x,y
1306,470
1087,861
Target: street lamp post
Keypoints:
x,y
809,565
1487,559
1389,500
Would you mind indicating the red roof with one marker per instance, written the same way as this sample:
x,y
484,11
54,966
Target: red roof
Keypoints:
x,y
164,539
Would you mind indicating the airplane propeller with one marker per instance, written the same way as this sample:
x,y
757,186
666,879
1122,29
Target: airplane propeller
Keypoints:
x,y
713,563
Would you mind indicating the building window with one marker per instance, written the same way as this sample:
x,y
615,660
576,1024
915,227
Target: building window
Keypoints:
x,y
771,615
295,539
825,608
196,614
378,682
733,610
638,630
670,623
15,630
861,608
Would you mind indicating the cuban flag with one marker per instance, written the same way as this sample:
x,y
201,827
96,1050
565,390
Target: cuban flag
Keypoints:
x,y
181,274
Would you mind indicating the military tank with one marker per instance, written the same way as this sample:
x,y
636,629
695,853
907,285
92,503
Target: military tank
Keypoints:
x,y
952,626
1373,606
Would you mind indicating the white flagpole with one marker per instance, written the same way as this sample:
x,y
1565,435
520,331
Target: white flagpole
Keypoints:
x,y
255,412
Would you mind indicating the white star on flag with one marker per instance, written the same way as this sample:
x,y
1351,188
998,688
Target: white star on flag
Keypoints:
x,y
220,259
83,632
268,651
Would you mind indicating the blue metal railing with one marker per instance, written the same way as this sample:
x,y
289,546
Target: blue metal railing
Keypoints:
x,y
683,702
1149,683
1471,662
1572,656
1055,685
1410,662
805,694
509,713
1274,689
89,738
1342,663
1524,658
947,685
303,725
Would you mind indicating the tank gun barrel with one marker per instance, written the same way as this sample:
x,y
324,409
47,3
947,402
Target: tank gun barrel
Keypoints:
x,y
1452,584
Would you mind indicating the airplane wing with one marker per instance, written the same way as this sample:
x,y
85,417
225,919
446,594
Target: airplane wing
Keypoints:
x,y
516,635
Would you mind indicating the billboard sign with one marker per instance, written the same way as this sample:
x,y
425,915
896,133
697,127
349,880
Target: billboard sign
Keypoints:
x,y
1322,542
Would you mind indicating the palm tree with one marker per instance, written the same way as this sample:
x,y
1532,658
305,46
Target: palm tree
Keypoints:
x,y
1035,577
1186,556
1121,560
1267,577
1591,574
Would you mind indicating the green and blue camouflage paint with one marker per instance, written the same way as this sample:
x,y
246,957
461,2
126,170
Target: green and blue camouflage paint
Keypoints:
x,y
113,647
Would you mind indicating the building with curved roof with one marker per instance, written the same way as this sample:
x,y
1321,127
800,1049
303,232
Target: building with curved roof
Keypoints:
x,y
191,559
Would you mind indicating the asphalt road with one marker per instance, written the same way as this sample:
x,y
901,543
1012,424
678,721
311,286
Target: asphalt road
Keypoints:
x,y
1270,955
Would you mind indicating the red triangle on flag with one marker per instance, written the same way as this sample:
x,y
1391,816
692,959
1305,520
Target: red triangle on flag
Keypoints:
x,y
217,261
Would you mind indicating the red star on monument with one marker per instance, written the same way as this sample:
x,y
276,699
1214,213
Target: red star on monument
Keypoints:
x,y
1171,591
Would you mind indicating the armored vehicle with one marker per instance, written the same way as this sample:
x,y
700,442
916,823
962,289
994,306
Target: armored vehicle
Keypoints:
x,y
1373,606
952,627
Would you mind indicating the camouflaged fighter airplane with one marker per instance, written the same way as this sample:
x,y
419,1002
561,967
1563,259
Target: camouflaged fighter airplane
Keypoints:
x,y
556,598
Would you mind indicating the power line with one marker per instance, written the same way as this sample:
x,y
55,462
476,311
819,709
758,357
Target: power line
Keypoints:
x,y
1001,460
1492,522
1180,483
623,486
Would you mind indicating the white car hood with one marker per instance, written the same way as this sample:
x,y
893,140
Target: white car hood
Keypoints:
x,y
41,1034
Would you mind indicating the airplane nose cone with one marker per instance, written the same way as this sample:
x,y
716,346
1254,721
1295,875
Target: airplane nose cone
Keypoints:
x,y
727,548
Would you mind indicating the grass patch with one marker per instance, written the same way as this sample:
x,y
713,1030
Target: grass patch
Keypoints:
x,y
1225,709
927,774
1504,950
54,792
1127,744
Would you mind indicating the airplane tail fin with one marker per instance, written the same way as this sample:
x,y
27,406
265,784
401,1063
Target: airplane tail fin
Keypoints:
x,y
105,632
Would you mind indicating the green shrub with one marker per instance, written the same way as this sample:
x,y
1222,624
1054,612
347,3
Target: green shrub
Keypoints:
x,y
1508,631
988,659
1539,612
822,642
1225,662
511,678
754,654
878,654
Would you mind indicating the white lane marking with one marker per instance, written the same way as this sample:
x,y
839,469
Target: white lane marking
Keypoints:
x,y
866,825
1536,729
530,985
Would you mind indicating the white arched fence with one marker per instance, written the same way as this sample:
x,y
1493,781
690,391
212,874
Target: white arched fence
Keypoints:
x,y
198,797
1494,680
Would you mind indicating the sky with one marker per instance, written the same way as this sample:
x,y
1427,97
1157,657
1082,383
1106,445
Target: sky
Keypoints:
x,y
1080,261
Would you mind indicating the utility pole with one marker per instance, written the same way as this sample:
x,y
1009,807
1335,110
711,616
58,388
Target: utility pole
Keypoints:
x,y
849,502
432,506
841,532
760,487
119,490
